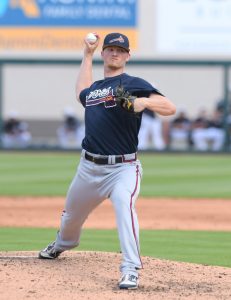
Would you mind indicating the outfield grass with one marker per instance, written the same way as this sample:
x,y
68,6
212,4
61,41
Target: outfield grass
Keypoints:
x,y
212,248
174,175
49,174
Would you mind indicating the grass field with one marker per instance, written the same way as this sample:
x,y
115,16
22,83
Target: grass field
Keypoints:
x,y
212,248
49,174
193,176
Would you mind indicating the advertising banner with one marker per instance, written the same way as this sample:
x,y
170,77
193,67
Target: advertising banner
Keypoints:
x,y
193,27
60,25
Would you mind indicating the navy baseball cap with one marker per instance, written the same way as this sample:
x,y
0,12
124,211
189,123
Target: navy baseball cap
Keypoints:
x,y
116,39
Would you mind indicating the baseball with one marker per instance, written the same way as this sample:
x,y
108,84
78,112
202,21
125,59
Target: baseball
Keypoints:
x,y
91,38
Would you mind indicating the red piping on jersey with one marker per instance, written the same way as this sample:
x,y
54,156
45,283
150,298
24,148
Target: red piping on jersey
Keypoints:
x,y
133,226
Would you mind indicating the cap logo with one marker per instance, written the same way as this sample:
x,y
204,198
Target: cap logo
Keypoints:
x,y
119,39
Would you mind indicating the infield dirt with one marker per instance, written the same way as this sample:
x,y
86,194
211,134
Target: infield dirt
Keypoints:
x,y
94,275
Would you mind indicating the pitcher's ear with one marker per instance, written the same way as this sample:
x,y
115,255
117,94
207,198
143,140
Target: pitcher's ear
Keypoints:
x,y
128,57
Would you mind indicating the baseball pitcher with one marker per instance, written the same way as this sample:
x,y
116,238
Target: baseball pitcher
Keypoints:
x,y
109,167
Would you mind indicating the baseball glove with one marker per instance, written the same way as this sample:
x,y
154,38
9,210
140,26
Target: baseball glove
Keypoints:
x,y
124,99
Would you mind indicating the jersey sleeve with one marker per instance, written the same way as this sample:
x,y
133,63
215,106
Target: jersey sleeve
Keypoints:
x,y
82,96
141,88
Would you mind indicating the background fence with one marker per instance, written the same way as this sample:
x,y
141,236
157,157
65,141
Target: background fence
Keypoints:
x,y
39,91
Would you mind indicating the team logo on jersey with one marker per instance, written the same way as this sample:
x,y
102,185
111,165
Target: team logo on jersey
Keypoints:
x,y
105,96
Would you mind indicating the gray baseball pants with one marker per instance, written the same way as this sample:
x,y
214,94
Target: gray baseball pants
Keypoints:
x,y
93,184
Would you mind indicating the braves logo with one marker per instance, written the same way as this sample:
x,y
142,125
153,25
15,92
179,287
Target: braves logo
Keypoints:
x,y
105,96
119,39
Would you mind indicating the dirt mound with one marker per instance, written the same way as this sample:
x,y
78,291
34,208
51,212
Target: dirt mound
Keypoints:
x,y
94,275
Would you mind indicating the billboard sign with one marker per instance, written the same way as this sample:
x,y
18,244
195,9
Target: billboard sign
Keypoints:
x,y
61,24
193,27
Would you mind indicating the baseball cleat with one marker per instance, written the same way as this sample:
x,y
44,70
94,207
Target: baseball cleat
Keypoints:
x,y
128,282
49,252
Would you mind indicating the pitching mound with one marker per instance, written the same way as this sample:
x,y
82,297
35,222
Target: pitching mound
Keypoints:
x,y
94,275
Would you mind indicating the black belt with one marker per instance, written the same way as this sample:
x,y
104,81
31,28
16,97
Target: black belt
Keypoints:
x,y
104,160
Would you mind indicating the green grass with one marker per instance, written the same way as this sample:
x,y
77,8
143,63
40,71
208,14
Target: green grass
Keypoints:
x,y
206,176
36,174
175,175
212,248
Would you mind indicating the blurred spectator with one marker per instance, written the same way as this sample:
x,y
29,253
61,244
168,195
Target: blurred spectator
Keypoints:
x,y
216,132
151,135
179,132
221,106
15,132
208,133
199,131
71,133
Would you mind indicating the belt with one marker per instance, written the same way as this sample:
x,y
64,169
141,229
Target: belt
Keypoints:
x,y
111,159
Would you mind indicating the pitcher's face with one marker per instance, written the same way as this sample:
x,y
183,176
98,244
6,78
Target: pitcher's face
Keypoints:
x,y
115,57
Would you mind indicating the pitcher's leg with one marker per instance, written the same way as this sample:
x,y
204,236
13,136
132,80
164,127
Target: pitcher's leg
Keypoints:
x,y
81,200
124,196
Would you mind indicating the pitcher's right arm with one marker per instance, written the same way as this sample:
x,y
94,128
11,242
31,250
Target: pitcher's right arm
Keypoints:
x,y
85,77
